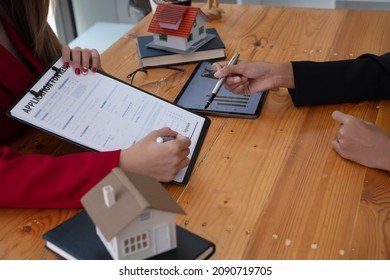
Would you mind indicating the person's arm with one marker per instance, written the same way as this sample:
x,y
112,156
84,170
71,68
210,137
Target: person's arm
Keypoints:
x,y
44,181
313,83
247,77
355,80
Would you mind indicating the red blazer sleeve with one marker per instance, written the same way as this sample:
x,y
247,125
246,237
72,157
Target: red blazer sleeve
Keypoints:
x,y
44,181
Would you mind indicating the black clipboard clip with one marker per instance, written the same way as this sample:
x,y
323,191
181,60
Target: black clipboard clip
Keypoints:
x,y
39,93
56,70
36,94
56,74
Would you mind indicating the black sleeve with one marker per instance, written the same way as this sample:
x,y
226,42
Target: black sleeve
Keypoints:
x,y
364,78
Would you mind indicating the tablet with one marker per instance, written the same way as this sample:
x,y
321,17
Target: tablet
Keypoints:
x,y
197,91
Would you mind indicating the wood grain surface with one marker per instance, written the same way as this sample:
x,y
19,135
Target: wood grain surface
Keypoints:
x,y
267,188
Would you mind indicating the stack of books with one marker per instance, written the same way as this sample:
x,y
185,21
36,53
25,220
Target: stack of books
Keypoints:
x,y
149,57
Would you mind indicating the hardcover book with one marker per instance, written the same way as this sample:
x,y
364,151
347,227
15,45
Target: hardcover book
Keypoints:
x,y
76,239
149,57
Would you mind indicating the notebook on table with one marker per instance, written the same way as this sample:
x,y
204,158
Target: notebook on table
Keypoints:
x,y
76,239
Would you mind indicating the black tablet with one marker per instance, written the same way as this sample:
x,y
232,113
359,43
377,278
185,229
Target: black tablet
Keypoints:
x,y
197,91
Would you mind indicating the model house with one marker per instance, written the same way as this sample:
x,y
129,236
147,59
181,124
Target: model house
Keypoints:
x,y
134,215
178,27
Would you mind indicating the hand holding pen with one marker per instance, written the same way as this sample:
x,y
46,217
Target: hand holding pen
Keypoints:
x,y
163,139
162,161
220,82
251,77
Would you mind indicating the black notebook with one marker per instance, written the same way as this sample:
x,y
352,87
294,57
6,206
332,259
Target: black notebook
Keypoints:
x,y
76,238
149,57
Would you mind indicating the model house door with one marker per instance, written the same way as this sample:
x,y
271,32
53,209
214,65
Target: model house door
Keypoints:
x,y
162,239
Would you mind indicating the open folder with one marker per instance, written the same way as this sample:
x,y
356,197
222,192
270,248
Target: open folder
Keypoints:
x,y
102,113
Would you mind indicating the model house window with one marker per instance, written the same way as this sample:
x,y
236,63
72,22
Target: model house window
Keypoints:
x,y
144,216
189,39
195,23
163,37
136,243
201,30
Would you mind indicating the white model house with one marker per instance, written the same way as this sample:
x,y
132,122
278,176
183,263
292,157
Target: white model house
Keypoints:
x,y
177,26
134,215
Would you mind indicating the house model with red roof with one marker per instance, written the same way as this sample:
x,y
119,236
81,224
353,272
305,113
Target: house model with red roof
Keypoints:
x,y
178,27
134,215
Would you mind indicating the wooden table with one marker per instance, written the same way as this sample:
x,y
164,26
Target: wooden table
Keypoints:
x,y
267,188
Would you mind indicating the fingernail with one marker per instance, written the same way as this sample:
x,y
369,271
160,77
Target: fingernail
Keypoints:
x,y
84,70
77,71
94,69
66,64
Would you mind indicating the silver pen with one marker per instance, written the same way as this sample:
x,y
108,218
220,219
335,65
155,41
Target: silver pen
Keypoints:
x,y
220,82
163,139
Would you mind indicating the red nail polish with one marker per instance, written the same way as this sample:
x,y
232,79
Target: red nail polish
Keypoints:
x,y
77,71
84,70
66,64
94,69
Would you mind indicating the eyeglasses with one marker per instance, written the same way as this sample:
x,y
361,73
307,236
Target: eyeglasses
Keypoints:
x,y
159,81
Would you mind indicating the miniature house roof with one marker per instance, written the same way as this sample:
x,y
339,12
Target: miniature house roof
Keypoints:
x,y
133,194
174,20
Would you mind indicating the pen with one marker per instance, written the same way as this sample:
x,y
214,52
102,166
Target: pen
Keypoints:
x,y
162,139
220,82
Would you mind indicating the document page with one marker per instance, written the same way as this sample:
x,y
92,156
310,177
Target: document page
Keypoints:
x,y
102,113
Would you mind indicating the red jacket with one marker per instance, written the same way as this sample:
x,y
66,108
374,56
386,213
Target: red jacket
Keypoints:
x,y
40,181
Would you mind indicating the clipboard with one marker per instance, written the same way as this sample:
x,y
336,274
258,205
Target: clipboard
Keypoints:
x,y
197,91
101,113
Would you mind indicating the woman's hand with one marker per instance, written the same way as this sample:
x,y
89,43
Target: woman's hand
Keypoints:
x,y
249,77
83,60
362,142
161,161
